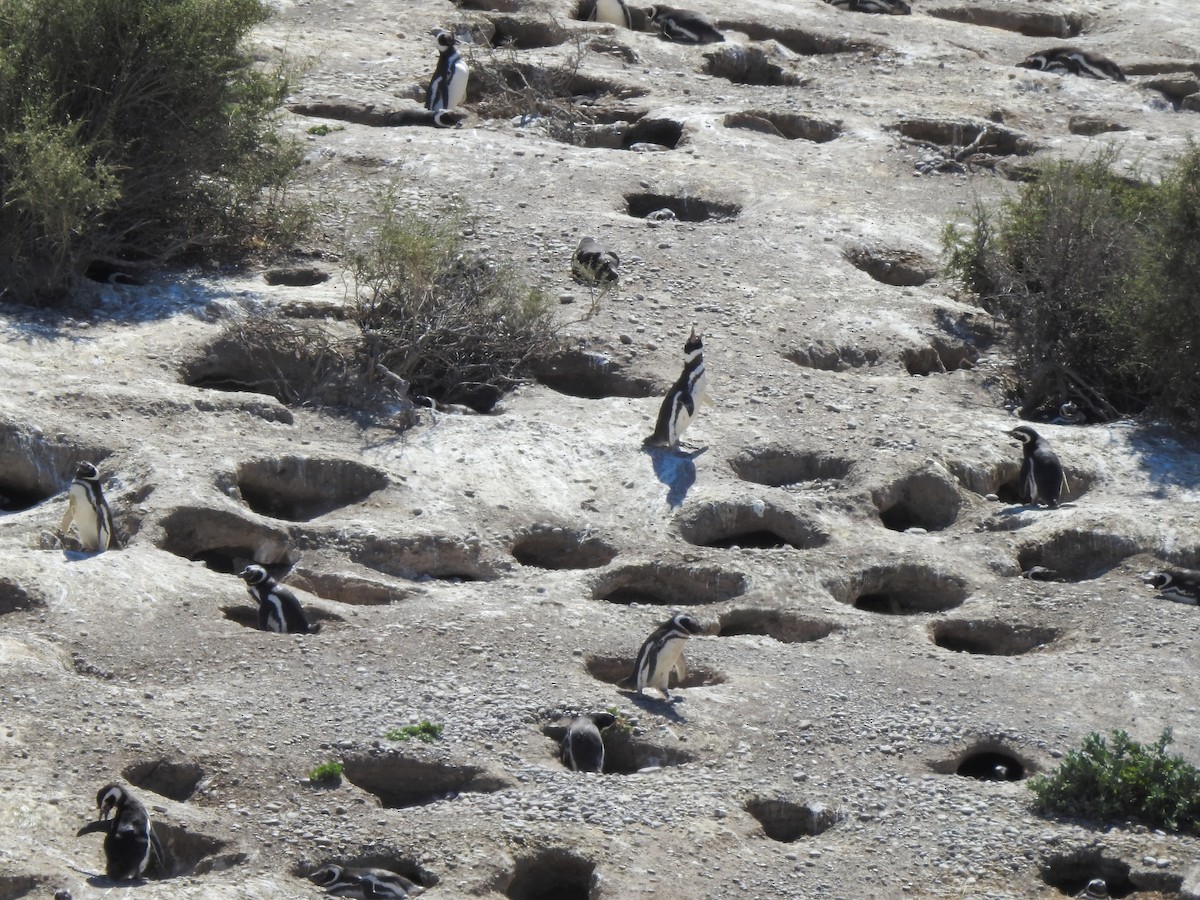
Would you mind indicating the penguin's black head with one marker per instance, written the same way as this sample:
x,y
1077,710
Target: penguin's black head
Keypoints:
x,y
326,874
110,797
603,720
446,39
1026,435
1157,579
447,118
653,11
87,472
253,575
693,343
688,623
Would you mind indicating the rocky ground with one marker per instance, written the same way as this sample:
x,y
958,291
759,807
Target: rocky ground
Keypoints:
x,y
842,521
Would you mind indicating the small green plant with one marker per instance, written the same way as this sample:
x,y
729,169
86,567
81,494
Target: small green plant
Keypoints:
x,y
423,731
322,130
326,773
1121,779
622,724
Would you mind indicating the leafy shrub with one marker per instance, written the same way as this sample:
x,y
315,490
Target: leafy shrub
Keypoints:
x,y
452,325
130,132
1124,780
327,773
423,731
1097,277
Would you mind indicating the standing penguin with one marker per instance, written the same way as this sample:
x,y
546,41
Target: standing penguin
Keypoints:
x,y
279,609
582,745
1042,476
448,87
614,12
684,26
679,406
662,654
89,510
366,883
130,848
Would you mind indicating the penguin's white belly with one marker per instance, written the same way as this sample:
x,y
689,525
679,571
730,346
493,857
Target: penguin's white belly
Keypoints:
x,y
458,84
86,520
610,11
666,663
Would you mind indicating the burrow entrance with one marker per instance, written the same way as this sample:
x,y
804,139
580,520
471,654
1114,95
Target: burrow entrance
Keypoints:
x,y
423,558
1069,873
748,64
1001,479
800,40
992,638
1028,22
555,547
787,821
247,616
928,500
901,589
176,779
829,356
662,584
223,541
344,588
1078,555
941,356
376,858
753,525
681,208
298,488
996,139
34,469
625,754
14,887
784,466
190,852
621,130
15,597
525,33
592,376
515,88
790,126
987,760
400,782
616,669
786,627
553,875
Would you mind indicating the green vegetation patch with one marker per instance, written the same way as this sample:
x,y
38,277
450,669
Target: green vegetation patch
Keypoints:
x,y
423,731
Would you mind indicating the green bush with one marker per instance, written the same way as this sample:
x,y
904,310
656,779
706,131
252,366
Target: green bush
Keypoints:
x,y
452,325
327,773
423,731
1124,780
130,132
1097,276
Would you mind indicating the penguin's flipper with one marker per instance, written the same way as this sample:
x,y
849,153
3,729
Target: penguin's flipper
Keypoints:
x,y
707,400
1027,485
688,403
93,827
68,516
680,669
158,856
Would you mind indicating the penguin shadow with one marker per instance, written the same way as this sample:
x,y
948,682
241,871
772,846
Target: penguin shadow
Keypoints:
x,y
676,470
659,706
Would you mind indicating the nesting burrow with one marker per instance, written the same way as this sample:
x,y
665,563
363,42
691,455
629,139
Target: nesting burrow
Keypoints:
x,y
616,669
750,525
957,132
344,588
786,821
901,589
833,357
785,466
991,637
1069,873
299,488
789,126
507,81
376,858
525,33
224,541
424,558
489,5
173,778
940,356
625,753
927,500
34,469
248,615
892,265
1002,479
13,887
786,627
749,64
681,208
190,852
229,363
552,875
622,130
555,547
400,782
800,40
1031,23
592,376
15,596
666,584
1078,554
988,759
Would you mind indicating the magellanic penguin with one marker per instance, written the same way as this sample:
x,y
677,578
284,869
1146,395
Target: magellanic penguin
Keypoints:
x,y
683,26
662,654
1042,477
1073,61
89,510
352,881
614,12
593,265
883,7
1175,586
130,848
448,87
1097,889
279,609
582,745
679,406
